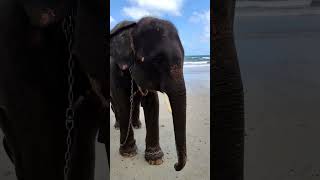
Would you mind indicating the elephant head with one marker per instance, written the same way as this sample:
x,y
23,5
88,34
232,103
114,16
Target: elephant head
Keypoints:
x,y
42,13
154,54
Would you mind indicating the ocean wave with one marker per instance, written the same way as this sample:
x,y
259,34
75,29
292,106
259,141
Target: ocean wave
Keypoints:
x,y
195,66
196,62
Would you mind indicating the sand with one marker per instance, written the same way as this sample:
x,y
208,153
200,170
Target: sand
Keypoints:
x,y
7,169
198,138
279,60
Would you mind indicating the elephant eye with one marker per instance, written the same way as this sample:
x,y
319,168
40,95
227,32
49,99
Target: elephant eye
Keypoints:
x,y
157,59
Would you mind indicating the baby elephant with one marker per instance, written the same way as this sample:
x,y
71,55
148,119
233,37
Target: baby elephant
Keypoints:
x,y
145,57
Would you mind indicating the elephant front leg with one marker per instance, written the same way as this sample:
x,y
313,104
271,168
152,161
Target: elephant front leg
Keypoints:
x,y
153,152
128,146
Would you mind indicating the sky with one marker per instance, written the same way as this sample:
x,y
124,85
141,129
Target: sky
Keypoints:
x,y
191,18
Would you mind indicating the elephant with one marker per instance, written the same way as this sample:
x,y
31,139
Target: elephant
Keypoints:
x,y
227,96
34,86
146,57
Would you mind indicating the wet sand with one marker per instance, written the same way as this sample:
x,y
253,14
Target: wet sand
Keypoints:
x,y
279,60
198,138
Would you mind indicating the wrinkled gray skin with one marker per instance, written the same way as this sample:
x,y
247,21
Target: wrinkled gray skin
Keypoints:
x,y
151,48
33,86
228,105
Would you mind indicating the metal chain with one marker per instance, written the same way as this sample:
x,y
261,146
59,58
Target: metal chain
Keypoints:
x,y
130,115
68,27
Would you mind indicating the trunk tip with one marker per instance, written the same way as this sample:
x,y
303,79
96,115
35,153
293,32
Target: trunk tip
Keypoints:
x,y
179,165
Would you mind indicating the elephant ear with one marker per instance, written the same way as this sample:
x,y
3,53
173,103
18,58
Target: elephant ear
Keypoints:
x,y
121,26
121,47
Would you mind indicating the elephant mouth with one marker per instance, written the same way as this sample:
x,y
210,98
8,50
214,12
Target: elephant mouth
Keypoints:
x,y
143,92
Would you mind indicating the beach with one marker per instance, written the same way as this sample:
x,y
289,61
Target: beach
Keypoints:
x,y
198,138
279,60
7,169
197,80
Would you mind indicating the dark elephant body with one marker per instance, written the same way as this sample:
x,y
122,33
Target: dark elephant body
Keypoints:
x,y
146,57
228,96
33,91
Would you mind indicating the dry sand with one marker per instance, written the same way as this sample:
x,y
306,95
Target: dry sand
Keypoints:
x,y
198,138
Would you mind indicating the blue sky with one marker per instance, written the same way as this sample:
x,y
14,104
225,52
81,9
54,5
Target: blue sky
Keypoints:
x,y
191,18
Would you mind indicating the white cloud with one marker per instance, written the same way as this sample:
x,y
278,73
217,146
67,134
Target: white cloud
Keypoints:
x,y
202,18
112,20
135,12
141,8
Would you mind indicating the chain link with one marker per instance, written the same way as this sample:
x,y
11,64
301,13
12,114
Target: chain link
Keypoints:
x,y
68,27
130,115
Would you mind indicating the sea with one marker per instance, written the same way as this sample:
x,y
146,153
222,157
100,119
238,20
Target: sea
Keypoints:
x,y
197,61
197,69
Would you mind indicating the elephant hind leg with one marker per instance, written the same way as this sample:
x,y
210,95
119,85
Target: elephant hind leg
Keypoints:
x,y
116,114
136,123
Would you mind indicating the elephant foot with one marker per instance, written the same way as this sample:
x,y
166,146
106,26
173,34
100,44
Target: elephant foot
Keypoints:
x,y
136,124
155,162
154,156
128,150
116,125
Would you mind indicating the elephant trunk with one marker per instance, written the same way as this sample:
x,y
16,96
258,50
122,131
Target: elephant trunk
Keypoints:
x,y
177,98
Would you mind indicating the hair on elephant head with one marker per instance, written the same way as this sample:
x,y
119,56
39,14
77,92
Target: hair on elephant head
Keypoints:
x,y
44,13
151,49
